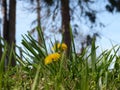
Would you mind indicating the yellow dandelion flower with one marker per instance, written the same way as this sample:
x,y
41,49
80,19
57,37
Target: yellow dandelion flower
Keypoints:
x,y
52,57
64,46
48,60
59,46
55,56
56,46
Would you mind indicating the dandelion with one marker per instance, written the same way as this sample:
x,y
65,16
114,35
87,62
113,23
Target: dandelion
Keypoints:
x,y
52,57
64,46
59,46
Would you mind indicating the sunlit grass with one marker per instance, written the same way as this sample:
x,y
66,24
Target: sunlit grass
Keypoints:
x,y
85,71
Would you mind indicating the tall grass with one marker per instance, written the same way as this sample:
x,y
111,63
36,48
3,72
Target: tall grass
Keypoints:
x,y
85,71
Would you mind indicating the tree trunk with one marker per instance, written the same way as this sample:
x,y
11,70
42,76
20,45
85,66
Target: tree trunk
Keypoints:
x,y
38,18
0,47
66,23
12,28
5,20
9,29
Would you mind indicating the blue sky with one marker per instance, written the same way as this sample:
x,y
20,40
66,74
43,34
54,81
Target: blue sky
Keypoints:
x,y
111,33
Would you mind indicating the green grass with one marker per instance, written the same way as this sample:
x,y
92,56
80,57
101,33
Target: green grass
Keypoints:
x,y
85,71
